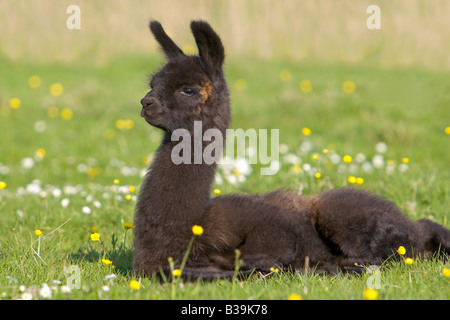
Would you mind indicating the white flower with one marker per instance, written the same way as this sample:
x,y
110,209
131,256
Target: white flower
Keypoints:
x,y
65,203
403,167
381,147
360,157
66,289
335,158
97,204
105,288
86,210
34,188
45,292
40,126
27,163
243,166
273,168
367,167
82,168
284,148
26,296
306,146
218,179
292,159
235,170
378,161
19,213
4,170
70,190
110,276
56,192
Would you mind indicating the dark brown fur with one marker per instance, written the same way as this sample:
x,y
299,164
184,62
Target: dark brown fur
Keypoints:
x,y
334,229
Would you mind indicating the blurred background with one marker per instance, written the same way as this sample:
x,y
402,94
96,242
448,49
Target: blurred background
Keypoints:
x,y
69,99
413,32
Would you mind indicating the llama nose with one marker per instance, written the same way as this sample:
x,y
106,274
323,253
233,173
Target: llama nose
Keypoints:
x,y
147,102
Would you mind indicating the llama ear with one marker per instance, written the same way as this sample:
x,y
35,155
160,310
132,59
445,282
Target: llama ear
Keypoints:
x,y
209,45
169,47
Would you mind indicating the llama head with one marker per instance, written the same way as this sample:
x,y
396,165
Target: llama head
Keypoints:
x,y
188,88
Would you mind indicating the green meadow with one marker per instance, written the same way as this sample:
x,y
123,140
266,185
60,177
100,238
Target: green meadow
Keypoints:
x,y
74,149
353,107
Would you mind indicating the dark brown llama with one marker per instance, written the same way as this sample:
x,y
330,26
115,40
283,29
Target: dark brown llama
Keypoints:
x,y
334,229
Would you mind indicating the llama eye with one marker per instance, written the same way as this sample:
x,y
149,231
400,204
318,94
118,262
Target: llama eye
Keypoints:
x,y
188,92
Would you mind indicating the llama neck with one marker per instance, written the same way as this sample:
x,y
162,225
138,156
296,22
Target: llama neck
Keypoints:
x,y
179,192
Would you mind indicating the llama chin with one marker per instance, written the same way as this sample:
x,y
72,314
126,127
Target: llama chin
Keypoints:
x,y
331,231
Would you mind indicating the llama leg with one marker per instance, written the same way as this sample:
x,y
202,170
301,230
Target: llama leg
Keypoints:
x,y
265,235
362,228
435,238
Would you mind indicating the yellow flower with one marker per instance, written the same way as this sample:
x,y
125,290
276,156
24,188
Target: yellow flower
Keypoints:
x,y
347,158
294,296
351,179
176,272
38,232
409,261
306,131
296,168
129,124
135,285
116,181
285,75
34,82
124,124
2,185
110,134
66,114
318,175
446,272
315,156
370,294
305,86
95,236
272,269
106,262
405,160
40,153
401,250
15,103
359,180
132,188
128,197
197,230
216,191
240,85
94,230
447,130
348,86
56,89
53,112
128,225
92,172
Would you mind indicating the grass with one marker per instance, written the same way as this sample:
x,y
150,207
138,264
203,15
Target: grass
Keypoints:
x,y
95,159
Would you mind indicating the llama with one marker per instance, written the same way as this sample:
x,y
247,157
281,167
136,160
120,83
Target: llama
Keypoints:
x,y
332,230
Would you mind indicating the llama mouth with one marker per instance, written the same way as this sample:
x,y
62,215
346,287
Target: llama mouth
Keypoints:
x,y
153,120
149,117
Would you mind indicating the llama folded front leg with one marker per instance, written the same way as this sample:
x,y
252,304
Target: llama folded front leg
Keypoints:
x,y
265,235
